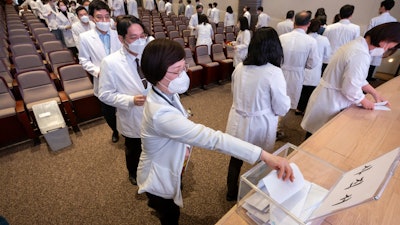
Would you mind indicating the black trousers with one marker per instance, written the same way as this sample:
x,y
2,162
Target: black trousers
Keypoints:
x,y
306,92
133,149
324,65
109,115
371,71
168,211
233,177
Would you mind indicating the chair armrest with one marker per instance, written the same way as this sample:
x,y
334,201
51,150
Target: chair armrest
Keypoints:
x,y
63,96
19,106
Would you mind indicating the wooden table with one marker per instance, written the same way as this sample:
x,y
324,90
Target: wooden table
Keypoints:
x,y
353,137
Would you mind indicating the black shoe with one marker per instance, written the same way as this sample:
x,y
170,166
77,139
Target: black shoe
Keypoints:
x,y
230,198
298,113
115,137
132,180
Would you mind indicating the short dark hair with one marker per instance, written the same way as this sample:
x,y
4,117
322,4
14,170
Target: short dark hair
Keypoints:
x,y
336,18
302,18
98,5
322,19
244,23
320,12
124,22
388,4
79,9
210,5
265,47
385,32
290,14
203,19
157,56
229,9
199,6
346,11
260,8
215,4
315,24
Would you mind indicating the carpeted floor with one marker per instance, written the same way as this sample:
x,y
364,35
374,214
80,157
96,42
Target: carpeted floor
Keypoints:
x,y
87,183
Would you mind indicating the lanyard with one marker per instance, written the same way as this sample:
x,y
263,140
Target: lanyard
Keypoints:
x,y
162,96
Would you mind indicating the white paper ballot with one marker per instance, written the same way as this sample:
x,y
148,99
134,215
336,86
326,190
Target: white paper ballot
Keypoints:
x,y
379,106
280,190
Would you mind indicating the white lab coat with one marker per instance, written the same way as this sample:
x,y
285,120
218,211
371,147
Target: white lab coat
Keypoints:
x,y
78,28
214,15
118,6
192,25
229,20
340,85
284,27
51,16
149,5
300,51
161,6
341,33
63,22
241,46
189,11
204,35
91,52
381,19
263,20
132,8
248,16
259,97
312,76
165,134
119,83
168,8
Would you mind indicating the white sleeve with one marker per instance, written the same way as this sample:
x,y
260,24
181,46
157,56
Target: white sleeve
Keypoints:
x,y
85,59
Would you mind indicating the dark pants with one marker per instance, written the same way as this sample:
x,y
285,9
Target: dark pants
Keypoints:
x,y
324,65
371,71
133,148
59,35
168,211
233,177
109,116
304,97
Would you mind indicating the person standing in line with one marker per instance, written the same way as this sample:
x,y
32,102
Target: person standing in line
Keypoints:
x,y
242,41
168,7
167,133
50,11
189,9
65,19
286,26
194,20
161,6
259,97
215,13
83,25
132,8
208,13
149,5
94,45
247,14
300,51
312,76
229,19
181,8
263,18
204,32
344,81
117,7
123,86
384,17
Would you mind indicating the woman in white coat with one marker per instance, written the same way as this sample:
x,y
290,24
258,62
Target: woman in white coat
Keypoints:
x,y
204,32
229,19
117,7
65,19
242,41
259,97
167,133
344,81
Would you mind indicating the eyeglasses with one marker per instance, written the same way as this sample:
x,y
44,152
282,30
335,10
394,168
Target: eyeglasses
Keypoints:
x,y
135,37
180,71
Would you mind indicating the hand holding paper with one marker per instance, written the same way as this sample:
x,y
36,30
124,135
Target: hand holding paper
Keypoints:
x,y
284,171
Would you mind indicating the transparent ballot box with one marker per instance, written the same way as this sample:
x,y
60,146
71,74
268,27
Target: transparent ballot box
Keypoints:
x,y
319,189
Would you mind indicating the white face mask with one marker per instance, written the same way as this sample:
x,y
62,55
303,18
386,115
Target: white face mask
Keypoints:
x,y
85,19
103,26
180,84
63,8
137,46
377,51
86,7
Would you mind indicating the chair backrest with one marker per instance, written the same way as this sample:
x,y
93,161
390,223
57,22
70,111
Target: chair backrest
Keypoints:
x,y
35,25
219,38
171,28
75,81
202,56
28,62
168,23
180,41
158,29
50,46
173,34
15,32
20,39
39,30
229,29
230,37
44,37
157,23
217,52
158,35
181,28
178,22
230,52
35,87
220,30
214,27
192,42
5,74
7,101
220,24
23,49
189,57
60,58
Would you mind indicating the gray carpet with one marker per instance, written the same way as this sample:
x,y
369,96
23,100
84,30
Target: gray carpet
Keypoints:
x,y
87,183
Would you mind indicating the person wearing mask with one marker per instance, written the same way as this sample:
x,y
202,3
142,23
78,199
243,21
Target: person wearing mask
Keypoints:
x,y
242,41
286,26
85,4
259,97
132,8
215,13
189,9
263,18
194,20
247,14
123,86
94,45
84,24
167,133
344,81
300,51
204,32
72,8
181,8
65,19
50,11
168,7
117,7
343,31
312,76
384,17
229,19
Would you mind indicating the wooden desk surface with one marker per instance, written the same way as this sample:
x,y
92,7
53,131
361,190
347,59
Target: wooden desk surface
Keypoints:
x,y
354,137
